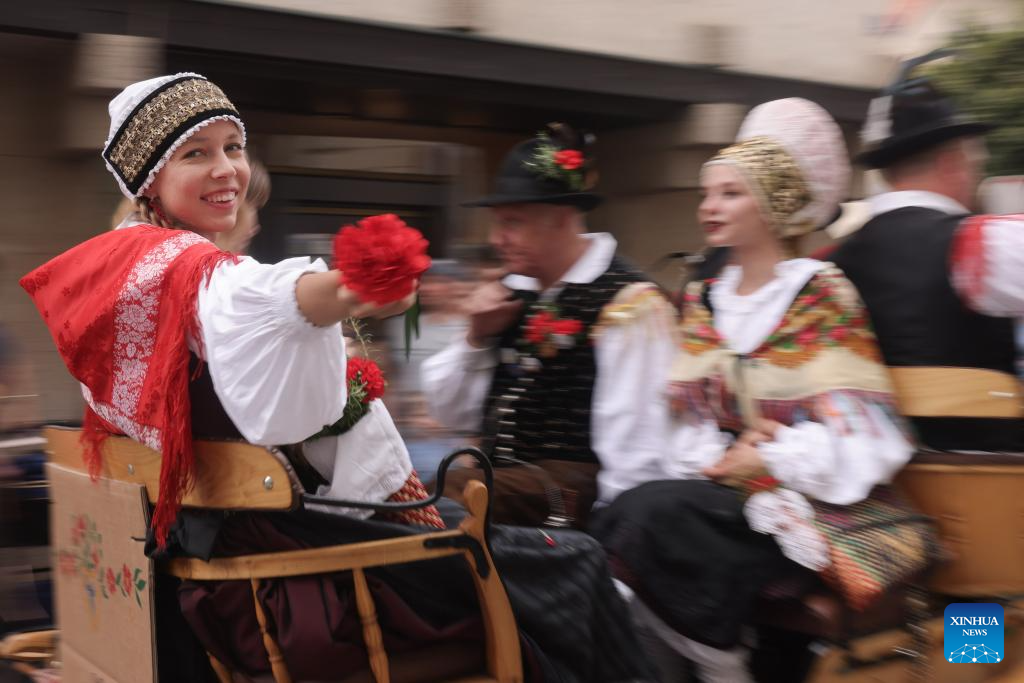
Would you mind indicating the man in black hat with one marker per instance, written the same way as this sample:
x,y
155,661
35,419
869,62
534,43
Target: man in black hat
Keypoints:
x,y
952,361
559,352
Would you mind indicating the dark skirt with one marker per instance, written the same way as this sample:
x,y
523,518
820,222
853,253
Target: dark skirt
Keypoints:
x,y
685,548
573,625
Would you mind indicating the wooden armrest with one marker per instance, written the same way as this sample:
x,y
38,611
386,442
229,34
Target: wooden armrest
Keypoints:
x,y
32,646
504,662
335,558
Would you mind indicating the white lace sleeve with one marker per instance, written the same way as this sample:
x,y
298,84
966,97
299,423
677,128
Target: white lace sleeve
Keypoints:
x,y
367,463
279,378
858,446
633,434
629,414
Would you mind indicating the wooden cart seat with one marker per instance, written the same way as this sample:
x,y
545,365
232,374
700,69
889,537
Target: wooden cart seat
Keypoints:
x,y
241,476
977,501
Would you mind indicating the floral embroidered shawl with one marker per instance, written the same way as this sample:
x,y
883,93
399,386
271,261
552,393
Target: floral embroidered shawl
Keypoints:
x,y
121,308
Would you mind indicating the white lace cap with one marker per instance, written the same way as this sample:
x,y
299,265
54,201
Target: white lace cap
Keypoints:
x,y
132,98
811,136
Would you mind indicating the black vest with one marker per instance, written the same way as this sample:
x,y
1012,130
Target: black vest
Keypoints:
x,y
544,412
209,419
899,261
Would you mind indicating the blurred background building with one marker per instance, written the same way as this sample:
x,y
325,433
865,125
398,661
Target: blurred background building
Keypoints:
x,y
361,106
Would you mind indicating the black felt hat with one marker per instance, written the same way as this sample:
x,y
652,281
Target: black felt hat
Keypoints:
x,y
554,167
910,116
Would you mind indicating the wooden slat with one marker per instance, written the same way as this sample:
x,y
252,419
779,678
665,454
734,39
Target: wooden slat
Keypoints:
x,y
277,663
33,646
965,470
229,475
956,392
371,629
504,660
222,672
313,560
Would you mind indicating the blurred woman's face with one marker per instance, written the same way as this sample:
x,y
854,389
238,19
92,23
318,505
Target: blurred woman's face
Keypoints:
x,y
729,212
203,184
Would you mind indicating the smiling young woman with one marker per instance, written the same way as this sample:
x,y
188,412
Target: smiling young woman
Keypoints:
x,y
204,181
136,311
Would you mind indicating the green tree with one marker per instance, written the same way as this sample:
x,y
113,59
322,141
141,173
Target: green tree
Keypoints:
x,y
986,79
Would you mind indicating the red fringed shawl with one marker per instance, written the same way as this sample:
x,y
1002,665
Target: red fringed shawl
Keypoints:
x,y
121,308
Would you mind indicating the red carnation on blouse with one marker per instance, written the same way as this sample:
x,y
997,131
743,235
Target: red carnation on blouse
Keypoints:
x,y
366,372
380,258
765,482
569,159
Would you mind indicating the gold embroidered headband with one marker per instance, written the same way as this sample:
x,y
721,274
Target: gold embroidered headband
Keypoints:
x,y
150,120
775,179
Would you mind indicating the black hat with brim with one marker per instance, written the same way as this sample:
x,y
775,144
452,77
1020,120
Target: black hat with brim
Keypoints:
x,y
584,201
519,182
911,116
912,142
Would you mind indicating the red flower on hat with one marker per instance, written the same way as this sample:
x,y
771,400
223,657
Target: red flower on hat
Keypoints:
x,y
367,373
380,258
569,159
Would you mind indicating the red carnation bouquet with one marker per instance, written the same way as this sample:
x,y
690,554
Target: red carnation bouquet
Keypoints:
x,y
380,258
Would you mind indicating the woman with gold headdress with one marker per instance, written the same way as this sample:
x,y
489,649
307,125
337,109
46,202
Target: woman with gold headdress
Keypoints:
x,y
778,418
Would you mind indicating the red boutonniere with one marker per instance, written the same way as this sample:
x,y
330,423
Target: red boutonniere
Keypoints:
x,y
547,333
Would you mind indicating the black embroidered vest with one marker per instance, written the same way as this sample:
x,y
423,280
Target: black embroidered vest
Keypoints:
x,y
899,261
539,408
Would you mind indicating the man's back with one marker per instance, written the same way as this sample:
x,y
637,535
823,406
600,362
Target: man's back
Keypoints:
x,y
899,261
